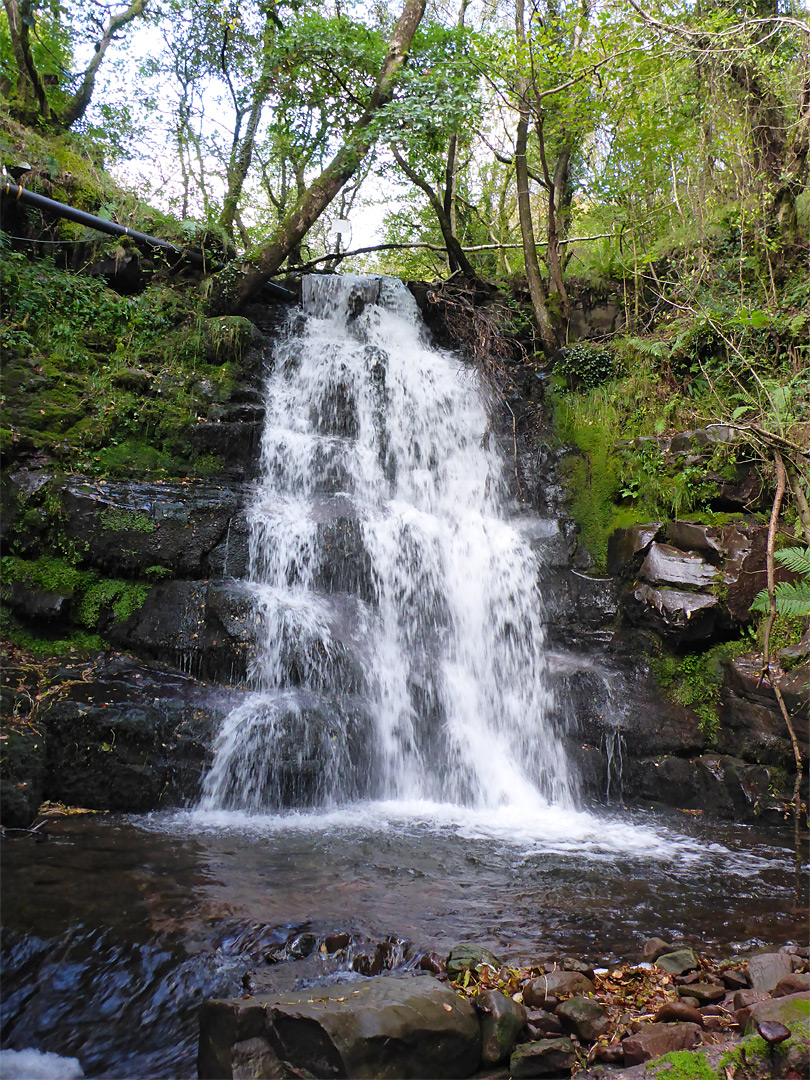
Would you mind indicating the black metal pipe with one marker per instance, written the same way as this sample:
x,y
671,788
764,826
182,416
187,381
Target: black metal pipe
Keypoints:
x,y
42,202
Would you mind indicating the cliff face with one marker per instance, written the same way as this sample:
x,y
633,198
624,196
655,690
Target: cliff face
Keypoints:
x,y
127,633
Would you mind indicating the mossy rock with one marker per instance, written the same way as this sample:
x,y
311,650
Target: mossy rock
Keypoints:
x,y
226,337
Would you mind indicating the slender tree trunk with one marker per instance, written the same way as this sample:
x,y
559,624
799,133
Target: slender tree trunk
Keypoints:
x,y
242,154
455,252
449,200
553,238
33,101
77,106
537,292
343,165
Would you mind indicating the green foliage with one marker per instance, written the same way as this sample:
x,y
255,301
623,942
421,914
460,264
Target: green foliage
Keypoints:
x,y
121,598
586,366
92,595
792,597
70,347
44,646
50,573
695,679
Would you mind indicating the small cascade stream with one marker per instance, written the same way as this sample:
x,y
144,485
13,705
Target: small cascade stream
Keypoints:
x,y
399,645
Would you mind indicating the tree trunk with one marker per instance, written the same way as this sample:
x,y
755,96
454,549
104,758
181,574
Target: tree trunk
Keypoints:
x,y
33,101
449,200
553,235
537,292
242,154
77,106
455,251
343,165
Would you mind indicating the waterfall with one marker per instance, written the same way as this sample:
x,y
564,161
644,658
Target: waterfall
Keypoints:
x,y
399,640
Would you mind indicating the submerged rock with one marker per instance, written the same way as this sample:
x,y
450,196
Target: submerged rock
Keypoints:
x,y
393,1026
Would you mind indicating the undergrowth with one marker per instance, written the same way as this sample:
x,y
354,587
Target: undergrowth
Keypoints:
x,y
105,383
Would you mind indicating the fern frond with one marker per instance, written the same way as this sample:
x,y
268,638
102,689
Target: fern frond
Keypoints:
x,y
792,599
796,559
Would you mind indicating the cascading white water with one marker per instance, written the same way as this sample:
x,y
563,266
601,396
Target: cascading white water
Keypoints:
x,y
399,637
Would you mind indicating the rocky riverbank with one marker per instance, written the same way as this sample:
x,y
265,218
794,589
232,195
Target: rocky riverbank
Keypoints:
x,y
671,1014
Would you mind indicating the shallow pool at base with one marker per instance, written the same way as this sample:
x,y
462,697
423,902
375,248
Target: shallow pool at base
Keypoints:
x,y
116,929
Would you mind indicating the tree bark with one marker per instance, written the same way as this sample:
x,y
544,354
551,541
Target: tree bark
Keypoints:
x,y
33,101
537,292
77,106
455,252
343,165
449,199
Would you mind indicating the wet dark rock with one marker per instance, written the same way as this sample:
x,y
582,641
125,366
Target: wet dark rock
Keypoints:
x,y
392,1026
655,947
571,963
468,956
797,983
22,769
711,435
125,527
237,443
547,1057
743,998
773,1032
132,737
704,992
584,1017
433,963
554,985
204,628
627,548
673,613
734,979
501,1019
612,1054
678,963
768,969
783,1010
667,565
386,955
752,725
675,1012
337,942
35,605
546,1023
655,1040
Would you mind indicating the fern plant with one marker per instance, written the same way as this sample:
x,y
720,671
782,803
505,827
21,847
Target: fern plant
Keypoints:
x,y
792,597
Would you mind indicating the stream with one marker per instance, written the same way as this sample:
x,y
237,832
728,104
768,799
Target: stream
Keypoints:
x,y
116,929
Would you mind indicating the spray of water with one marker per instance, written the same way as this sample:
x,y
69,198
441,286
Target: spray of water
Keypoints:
x,y
399,637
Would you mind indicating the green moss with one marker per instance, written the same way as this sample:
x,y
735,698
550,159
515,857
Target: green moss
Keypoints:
x,y
50,573
91,594
684,1065
70,346
122,598
43,646
695,680
116,519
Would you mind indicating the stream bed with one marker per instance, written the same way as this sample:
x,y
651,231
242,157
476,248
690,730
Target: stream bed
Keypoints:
x,y
115,929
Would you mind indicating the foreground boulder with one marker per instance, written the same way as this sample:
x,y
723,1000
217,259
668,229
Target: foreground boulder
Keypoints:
x,y
391,1026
